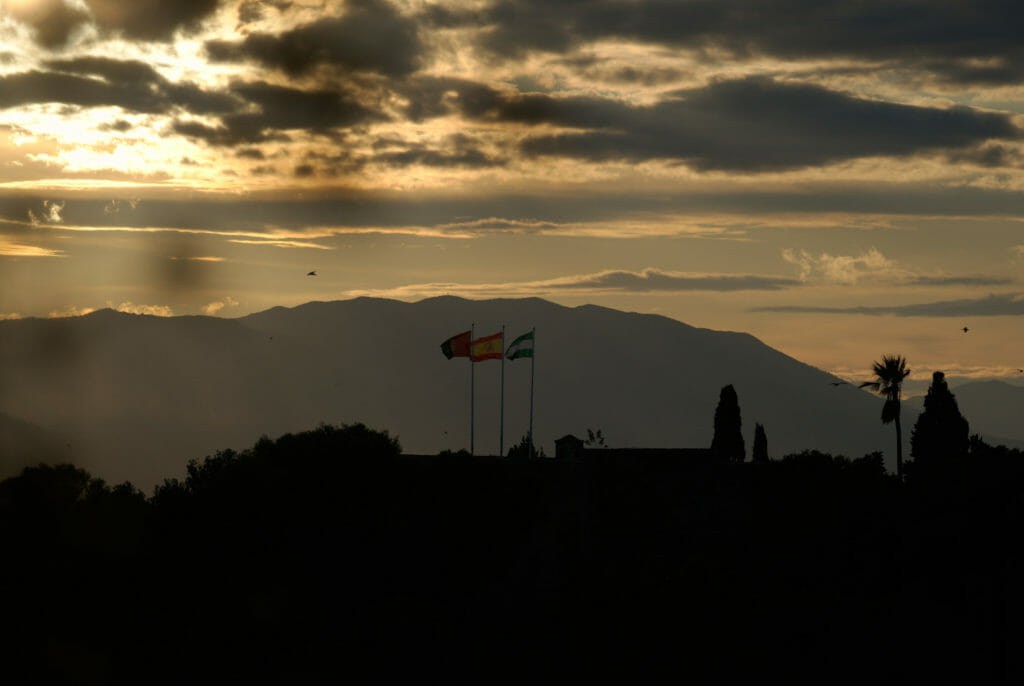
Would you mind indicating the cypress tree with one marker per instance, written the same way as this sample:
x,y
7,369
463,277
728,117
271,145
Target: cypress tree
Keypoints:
x,y
941,433
728,439
760,451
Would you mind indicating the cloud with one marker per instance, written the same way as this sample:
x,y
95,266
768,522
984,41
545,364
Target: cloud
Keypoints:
x,y
278,109
152,310
371,36
52,21
958,281
650,280
200,258
611,281
19,250
216,306
712,128
995,305
115,206
457,151
989,155
844,269
153,20
51,213
873,265
496,224
976,46
71,311
105,82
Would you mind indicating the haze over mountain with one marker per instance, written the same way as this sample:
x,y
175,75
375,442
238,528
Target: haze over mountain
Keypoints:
x,y
135,397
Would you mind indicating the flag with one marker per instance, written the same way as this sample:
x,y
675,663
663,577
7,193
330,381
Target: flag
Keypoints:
x,y
521,347
456,346
487,348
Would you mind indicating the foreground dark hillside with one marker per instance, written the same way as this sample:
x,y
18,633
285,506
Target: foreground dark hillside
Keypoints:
x,y
329,556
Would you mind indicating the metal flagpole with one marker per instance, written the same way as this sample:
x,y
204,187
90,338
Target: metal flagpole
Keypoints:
x,y
472,386
533,357
501,404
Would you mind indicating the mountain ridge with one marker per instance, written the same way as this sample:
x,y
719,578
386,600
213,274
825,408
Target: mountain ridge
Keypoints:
x,y
139,395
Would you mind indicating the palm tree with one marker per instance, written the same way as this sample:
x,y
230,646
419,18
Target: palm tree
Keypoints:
x,y
889,375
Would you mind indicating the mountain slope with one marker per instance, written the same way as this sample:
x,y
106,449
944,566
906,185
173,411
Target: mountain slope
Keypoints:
x,y
138,396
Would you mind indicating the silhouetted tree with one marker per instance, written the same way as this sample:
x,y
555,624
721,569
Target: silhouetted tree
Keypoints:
x,y
760,451
595,439
728,439
941,432
888,383
522,449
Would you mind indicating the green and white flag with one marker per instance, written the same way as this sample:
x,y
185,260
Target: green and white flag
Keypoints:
x,y
521,347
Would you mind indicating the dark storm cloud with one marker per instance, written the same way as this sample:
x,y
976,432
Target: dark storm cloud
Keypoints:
x,y
751,124
103,82
655,280
370,37
995,305
150,19
946,36
280,108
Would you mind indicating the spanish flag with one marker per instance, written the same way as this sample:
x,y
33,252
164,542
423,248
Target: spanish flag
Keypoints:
x,y
487,348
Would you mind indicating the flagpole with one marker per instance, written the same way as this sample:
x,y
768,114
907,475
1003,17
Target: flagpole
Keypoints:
x,y
472,386
501,403
533,357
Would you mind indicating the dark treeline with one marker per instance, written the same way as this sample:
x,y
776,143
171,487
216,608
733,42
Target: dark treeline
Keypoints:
x,y
329,556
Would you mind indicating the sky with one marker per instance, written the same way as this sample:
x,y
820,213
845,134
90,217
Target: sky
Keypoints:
x,y
842,179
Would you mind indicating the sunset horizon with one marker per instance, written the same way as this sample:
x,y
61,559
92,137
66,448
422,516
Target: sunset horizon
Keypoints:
x,y
840,180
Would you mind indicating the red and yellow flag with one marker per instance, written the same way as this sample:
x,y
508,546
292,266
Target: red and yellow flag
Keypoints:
x,y
486,348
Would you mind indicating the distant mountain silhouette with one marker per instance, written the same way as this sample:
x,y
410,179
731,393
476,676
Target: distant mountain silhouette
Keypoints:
x,y
994,409
137,396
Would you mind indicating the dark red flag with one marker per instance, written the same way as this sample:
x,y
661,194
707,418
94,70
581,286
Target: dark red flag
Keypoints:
x,y
456,346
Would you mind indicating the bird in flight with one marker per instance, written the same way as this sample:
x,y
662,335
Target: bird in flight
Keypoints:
x,y
965,329
837,383
312,273
1020,371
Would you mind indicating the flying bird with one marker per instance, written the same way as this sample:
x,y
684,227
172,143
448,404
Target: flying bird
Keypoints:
x,y
1020,371
837,383
965,329
312,273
